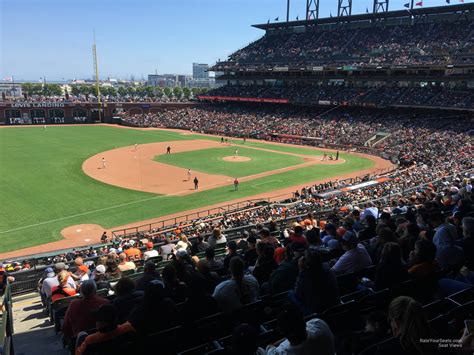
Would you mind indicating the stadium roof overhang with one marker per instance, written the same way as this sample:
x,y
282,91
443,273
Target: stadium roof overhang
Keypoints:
x,y
371,16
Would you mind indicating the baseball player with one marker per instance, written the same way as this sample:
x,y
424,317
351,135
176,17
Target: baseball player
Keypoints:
x,y
136,146
236,153
103,163
189,174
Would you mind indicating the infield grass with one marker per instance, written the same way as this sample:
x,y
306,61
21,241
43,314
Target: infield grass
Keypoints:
x,y
43,188
210,161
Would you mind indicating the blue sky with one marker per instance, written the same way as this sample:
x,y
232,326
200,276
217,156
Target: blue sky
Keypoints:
x,y
53,38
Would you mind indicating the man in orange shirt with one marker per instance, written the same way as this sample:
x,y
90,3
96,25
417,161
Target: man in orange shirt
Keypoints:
x,y
132,252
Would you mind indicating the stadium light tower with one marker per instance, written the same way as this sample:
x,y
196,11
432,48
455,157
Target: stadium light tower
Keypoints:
x,y
344,8
312,9
96,73
287,10
380,6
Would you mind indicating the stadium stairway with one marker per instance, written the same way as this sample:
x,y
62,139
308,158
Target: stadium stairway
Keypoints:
x,y
33,332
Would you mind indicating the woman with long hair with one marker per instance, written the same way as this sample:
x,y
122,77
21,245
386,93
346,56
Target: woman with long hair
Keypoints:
x,y
409,329
241,289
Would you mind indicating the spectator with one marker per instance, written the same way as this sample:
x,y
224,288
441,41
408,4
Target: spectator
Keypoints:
x,y
174,288
107,329
52,281
150,252
217,238
167,249
125,264
409,326
131,251
355,257
210,258
127,297
283,278
63,289
266,237
250,255
210,278
312,337
200,246
422,260
298,237
100,278
467,243
265,263
149,274
231,252
112,270
156,312
391,271
445,233
316,288
241,289
79,315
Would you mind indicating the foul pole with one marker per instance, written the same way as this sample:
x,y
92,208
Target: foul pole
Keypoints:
x,y
96,72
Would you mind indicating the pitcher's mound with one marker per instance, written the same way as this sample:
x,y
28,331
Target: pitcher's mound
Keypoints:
x,y
236,159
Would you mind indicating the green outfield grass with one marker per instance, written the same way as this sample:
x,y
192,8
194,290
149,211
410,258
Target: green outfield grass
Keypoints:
x,y
210,161
44,190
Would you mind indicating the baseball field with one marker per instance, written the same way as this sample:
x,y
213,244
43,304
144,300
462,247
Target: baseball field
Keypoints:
x,y
64,176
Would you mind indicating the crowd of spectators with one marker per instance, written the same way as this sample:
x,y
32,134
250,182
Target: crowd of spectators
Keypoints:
x,y
417,226
437,43
340,95
426,238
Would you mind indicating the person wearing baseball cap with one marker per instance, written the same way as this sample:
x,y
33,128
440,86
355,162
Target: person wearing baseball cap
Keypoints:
x,y
52,281
355,257
150,252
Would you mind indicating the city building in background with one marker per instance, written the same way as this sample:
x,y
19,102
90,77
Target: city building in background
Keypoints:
x,y
200,71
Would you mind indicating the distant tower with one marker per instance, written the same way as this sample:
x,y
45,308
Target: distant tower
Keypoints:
x,y
312,9
96,73
380,6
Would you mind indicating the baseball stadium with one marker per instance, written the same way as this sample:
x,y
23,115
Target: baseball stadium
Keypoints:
x,y
319,201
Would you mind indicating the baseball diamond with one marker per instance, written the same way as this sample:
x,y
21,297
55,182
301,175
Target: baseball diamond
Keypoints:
x,y
70,187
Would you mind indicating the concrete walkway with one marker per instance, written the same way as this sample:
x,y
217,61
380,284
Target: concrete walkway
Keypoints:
x,y
33,333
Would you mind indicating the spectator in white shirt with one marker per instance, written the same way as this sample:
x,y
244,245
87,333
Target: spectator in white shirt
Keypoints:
x,y
150,252
312,337
355,257
370,209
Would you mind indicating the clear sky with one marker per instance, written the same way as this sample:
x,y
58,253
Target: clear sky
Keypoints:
x,y
53,38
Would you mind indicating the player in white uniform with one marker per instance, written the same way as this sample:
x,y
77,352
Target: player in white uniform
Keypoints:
x,y
103,163
189,174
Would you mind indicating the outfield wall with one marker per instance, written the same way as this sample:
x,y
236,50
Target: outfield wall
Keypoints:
x,y
66,111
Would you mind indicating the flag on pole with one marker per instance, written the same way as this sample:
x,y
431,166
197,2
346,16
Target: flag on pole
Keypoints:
x,y
419,3
407,5
448,2
276,19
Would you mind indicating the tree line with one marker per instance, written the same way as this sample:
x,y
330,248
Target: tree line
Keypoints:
x,y
141,91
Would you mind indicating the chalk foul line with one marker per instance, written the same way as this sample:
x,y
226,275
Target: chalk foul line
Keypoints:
x,y
81,214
